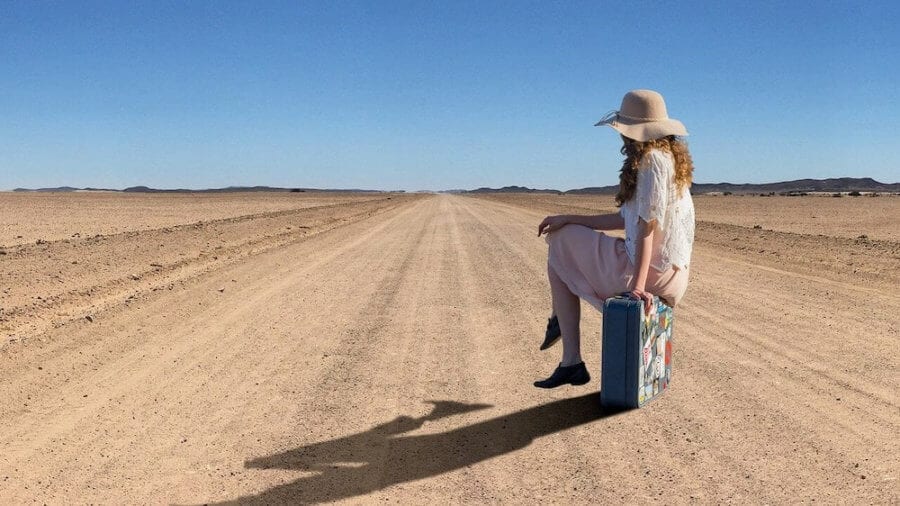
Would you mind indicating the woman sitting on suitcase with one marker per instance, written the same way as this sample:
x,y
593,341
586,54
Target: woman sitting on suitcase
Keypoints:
x,y
657,214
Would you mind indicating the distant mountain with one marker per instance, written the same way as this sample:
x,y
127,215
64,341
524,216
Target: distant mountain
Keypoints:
x,y
595,190
512,189
843,184
229,189
237,189
57,189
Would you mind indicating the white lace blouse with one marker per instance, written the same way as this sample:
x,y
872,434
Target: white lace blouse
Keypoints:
x,y
657,198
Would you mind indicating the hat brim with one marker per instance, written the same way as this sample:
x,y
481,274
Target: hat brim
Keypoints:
x,y
644,131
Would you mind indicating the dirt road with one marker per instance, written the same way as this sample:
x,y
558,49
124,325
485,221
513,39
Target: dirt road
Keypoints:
x,y
391,356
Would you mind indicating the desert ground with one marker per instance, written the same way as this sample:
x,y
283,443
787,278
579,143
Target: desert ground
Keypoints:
x,y
307,348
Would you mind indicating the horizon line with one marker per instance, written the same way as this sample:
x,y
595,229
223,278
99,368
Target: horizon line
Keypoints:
x,y
263,188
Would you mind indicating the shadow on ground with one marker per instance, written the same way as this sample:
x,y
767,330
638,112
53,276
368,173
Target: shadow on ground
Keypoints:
x,y
380,457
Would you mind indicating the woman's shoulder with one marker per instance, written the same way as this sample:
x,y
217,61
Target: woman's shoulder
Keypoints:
x,y
659,156
658,161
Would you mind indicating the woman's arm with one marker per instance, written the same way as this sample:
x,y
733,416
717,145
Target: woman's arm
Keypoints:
x,y
643,252
612,221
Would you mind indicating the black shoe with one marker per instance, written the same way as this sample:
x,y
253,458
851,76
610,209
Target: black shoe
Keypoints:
x,y
553,333
575,374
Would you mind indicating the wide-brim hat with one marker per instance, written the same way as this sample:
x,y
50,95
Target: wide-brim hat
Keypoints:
x,y
643,117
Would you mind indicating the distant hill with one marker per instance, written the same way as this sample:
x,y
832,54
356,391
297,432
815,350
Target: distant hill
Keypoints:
x,y
511,189
595,190
57,189
229,189
843,184
239,189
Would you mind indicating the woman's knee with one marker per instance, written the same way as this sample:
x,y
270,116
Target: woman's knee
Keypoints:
x,y
552,274
564,233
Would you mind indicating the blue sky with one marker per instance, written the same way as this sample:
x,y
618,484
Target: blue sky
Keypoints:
x,y
437,95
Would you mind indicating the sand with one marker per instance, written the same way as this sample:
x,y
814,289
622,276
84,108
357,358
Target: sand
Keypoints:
x,y
27,217
383,350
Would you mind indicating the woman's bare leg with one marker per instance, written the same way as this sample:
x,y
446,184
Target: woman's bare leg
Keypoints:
x,y
567,307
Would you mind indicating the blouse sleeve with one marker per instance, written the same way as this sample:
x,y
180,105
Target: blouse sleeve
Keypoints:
x,y
652,190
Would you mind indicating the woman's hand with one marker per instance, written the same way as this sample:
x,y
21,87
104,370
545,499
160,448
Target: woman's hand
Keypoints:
x,y
552,223
642,263
641,294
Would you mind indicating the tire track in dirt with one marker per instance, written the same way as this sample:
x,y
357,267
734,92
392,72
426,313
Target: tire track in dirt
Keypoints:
x,y
422,282
50,349
753,417
799,347
136,363
51,283
189,345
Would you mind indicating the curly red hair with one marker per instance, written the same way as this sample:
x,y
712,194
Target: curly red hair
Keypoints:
x,y
635,151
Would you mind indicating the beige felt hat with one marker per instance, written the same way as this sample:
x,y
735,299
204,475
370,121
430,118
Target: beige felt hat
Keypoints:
x,y
643,117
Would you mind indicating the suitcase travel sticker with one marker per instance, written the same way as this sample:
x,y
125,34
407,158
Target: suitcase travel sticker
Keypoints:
x,y
655,370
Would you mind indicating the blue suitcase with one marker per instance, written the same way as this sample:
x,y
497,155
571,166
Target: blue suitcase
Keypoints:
x,y
636,361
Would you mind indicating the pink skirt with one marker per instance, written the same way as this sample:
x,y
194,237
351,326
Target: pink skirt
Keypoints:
x,y
595,266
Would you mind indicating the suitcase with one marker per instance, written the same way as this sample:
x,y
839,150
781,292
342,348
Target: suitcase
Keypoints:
x,y
636,358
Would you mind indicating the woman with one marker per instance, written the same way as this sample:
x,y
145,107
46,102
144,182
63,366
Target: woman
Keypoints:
x,y
657,214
